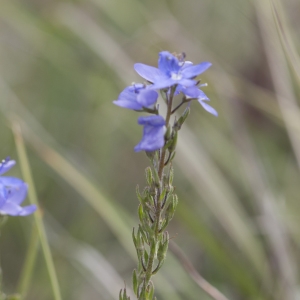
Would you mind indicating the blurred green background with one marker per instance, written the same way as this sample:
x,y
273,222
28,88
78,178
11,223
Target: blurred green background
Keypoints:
x,y
62,63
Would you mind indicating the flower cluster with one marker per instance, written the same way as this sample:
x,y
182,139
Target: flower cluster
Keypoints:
x,y
173,75
174,78
12,192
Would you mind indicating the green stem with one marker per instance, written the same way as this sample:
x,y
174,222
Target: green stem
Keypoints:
x,y
158,208
25,167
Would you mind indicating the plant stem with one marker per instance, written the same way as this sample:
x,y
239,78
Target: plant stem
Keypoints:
x,y
158,208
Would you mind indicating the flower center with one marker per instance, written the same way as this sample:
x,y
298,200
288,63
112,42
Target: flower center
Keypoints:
x,y
176,76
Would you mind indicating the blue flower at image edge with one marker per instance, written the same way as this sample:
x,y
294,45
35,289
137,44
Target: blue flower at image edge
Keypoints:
x,y
137,97
171,71
13,191
153,133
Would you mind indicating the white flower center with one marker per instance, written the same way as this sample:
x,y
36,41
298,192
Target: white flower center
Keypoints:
x,y
176,76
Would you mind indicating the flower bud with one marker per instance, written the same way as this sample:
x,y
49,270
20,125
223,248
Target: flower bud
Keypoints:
x,y
163,248
135,281
149,176
172,145
171,208
149,291
141,213
182,118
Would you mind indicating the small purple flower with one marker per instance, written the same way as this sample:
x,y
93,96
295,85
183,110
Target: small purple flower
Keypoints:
x,y
171,71
195,92
153,133
137,97
12,193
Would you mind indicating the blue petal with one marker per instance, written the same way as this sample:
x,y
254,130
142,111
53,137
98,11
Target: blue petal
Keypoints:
x,y
17,194
11,181
153,139
3,194
187,82
153,133
182,84
147,98
192,91
208,108
10,208
147,72
27,210
186,64
163,83
193,71
152,120
128,104
168,63
5,165
128,94
202,96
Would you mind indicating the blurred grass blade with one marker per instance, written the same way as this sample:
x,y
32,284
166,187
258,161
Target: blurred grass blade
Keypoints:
x,y
37,215
220,198
30,259
285,32
280,74
287,102
97,270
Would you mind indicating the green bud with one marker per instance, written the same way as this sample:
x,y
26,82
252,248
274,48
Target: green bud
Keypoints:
x,y
171,176
170,211
156,177
151,200
175,201
146,256
168,144
168,133
138,194
183,117
163,248
143,234
149,176
141,213
150,291
172,156
139,241
163,194
124,296
151,155
147,227
172,146
134,238
135,281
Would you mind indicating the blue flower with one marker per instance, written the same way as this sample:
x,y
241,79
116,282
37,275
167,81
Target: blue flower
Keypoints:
x,y
153,133
137,97
12,193
196,93
171,71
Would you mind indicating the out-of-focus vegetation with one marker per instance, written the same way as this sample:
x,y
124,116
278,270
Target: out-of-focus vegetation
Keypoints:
x,y
237,176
